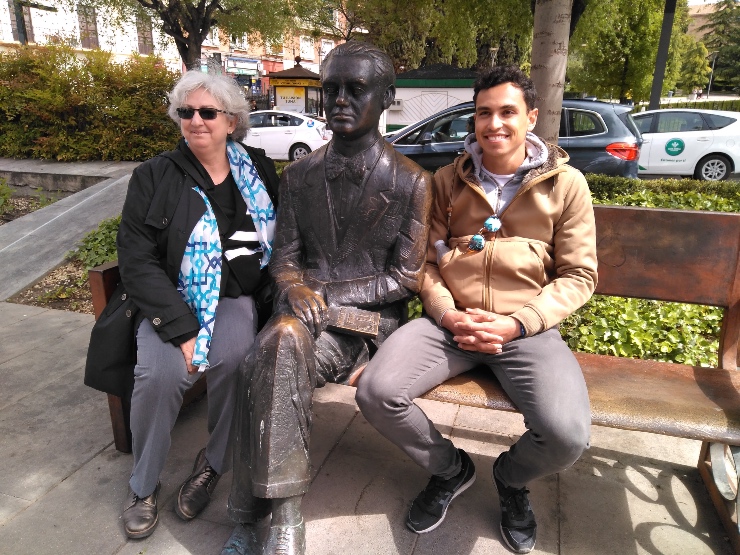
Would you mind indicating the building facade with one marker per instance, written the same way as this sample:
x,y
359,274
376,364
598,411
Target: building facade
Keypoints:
x,y
245,57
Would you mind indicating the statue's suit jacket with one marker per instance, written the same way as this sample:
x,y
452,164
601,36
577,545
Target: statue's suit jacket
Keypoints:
x,y
376,261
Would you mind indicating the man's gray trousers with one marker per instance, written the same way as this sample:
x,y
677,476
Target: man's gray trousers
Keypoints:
x,y
539,373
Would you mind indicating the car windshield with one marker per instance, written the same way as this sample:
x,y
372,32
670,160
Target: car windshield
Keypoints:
x,y
450,127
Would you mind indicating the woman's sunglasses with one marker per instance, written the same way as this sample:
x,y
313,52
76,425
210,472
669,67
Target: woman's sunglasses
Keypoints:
x,y
205,113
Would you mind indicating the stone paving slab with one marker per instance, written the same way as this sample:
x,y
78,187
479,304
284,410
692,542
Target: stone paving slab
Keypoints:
x,y
41,331
48,435
80,516
31,372
14,313
38,220
64,484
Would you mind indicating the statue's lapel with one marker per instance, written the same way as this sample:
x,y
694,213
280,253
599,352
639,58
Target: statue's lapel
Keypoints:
x,y
371,207
316,204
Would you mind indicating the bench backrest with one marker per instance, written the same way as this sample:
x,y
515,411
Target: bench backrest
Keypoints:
x,y
673,255
649,253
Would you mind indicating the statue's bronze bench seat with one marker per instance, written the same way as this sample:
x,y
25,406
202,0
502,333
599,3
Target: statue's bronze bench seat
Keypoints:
x,y
669,255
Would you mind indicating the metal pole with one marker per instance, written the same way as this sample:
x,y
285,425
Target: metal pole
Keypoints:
x,y
711,75
660,61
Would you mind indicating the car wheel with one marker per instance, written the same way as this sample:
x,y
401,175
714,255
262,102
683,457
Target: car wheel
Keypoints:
x,y
299,151
714,167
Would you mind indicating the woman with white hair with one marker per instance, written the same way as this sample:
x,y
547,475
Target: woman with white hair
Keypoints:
x,y
195,238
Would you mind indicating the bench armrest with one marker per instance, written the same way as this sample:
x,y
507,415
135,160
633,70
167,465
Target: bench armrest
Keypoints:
x,y
103,281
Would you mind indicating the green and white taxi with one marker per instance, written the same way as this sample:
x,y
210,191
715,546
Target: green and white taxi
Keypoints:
x,y
701,143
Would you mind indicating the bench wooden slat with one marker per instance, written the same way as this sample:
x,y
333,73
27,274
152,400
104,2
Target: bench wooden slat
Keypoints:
x,y
670,255
641,395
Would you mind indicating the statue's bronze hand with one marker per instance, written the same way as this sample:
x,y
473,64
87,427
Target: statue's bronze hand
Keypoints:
x,y
308,307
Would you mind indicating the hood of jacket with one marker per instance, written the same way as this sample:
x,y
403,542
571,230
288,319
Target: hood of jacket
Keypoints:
x,y
543,160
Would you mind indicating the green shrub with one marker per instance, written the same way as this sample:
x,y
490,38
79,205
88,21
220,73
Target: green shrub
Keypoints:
x,y
5,193
638,328
280,166
99,245
56,103
728,105
607,189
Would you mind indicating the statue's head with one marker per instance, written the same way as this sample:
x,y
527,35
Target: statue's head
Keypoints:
x,y
358,81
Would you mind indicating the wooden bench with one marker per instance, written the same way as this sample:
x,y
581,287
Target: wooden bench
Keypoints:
x,y
668,255
103,281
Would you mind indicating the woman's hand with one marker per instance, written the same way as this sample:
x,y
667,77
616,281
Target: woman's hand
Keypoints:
x,y
187,349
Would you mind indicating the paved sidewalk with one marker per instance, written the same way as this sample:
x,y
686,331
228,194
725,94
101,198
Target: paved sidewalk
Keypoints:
x,y
63,483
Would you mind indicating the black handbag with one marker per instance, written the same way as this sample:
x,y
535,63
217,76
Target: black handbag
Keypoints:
x,y
111,356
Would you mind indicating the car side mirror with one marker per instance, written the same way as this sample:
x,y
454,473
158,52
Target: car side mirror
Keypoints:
x,y
426,138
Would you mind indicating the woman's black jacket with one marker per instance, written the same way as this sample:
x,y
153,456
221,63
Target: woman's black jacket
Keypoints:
x,y
160,212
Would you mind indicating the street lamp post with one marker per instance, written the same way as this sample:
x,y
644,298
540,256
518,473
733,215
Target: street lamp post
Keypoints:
x,y
711,75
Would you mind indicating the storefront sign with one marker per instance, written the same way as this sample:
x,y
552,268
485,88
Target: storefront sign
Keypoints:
x,y
292,99
277,82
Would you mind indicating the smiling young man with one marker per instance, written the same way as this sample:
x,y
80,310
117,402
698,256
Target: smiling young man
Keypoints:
x,y
512,252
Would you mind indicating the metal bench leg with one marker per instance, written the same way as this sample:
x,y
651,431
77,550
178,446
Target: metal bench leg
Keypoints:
x,y
718,464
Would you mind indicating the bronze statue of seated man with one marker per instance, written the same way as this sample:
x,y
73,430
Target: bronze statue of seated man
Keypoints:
x,y
352,229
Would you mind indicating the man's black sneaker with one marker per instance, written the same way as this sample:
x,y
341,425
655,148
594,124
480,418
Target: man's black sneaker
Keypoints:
x,y
430,507
518,527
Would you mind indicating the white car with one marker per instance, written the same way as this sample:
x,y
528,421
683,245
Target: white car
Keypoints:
x,y
285,135
681,141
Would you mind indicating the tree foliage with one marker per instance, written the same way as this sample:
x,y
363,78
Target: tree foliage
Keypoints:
x,y
466,33
723,38
188,22
615,45
695,69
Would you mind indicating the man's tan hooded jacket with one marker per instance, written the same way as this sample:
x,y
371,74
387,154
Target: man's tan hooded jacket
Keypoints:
x,y
539,267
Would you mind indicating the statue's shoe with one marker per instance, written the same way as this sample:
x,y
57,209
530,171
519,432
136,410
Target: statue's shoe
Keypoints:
x,y
246,539
286,540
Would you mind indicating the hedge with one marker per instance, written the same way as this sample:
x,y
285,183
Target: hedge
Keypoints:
x,y
58,104
673,332
726,105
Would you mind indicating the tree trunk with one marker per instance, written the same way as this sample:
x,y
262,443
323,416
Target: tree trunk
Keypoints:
x,y
549,61
190,53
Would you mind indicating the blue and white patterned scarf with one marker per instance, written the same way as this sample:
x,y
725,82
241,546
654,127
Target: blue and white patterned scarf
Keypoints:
x,y
199,281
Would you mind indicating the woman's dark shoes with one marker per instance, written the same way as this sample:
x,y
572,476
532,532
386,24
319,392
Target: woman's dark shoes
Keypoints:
x,y
195,493
286,540
140,514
